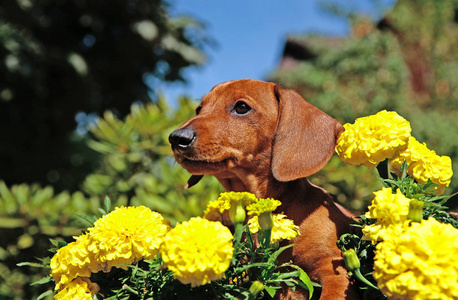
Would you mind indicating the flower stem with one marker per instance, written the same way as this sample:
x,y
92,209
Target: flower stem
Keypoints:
x,y
239,229
382,169
214,291
353,264
363,279
267,235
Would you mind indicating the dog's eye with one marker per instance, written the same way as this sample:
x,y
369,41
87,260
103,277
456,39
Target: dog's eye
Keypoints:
x,y
241,108
198,109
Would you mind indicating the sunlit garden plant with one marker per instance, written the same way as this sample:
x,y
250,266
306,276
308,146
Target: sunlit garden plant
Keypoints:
x,y
408,242
406,248
132,252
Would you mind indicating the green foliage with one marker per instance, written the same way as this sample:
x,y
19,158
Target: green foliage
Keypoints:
x,y
26,205
352,186
137,168
402,63
357,78
29,215
251,264
150,280
63,58
362,76
434,206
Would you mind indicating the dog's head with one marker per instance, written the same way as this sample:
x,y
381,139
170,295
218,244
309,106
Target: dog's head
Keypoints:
x,y
247,124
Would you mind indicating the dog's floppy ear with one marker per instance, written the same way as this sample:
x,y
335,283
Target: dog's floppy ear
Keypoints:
x,y
305,137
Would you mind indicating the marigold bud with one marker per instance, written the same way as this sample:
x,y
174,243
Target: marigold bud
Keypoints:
x,y
237,213
256,287
351,260
353,264
266,221
415,210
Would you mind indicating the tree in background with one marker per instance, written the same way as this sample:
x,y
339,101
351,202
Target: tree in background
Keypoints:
x,y
63,61
405,62
63,57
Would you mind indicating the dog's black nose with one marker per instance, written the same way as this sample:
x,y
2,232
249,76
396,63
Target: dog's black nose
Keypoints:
x,y
182,138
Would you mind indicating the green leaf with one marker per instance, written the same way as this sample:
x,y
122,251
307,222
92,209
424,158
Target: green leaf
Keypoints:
x,y
8,199
107,203
13,222
86,218
43,280
306,280
289,274
31,264
61,244
45,294
404,169
25,241
255,265
274,256
57,244
271,290
102,211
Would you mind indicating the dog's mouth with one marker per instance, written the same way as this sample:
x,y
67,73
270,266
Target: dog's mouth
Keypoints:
x,y
203,166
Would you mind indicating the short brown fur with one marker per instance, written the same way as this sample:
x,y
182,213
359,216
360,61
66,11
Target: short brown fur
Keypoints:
x,y
269,151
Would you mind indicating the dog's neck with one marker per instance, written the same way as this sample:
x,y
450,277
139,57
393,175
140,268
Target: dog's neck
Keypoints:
x,y
266,186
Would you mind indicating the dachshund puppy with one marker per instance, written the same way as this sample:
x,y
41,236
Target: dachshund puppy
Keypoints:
x,y
255,137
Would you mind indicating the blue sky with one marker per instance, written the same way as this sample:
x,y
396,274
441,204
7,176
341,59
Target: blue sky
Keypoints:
x,y
250,35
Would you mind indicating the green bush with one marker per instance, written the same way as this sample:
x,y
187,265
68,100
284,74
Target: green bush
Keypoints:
x,y
30,215
403,63
136,168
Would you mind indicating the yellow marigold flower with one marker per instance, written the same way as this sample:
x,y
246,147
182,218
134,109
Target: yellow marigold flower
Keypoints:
x,y
389,209
262,206
72,261
373,139
198,251
224,203
213,210
80,288
424,164
282,229
421,263
126,235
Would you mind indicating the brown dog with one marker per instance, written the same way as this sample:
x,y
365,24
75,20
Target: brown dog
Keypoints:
x,y
255,137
